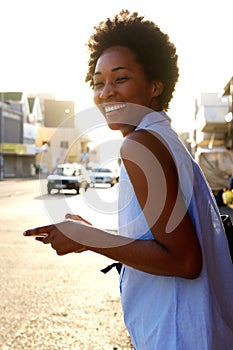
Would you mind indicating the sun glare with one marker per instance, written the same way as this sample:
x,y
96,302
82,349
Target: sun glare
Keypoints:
x,y
49,54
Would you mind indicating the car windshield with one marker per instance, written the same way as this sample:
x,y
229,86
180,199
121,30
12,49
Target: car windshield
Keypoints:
x,y
101,170
67,171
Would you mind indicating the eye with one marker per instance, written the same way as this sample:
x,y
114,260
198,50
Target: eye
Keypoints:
x,y
97,85
121,79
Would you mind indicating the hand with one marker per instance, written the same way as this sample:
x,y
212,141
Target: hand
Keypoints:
x,y
59,241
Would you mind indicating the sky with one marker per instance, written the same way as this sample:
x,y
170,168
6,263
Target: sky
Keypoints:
x,y
43,46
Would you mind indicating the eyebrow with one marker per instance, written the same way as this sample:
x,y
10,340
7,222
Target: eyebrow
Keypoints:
x,y
114,70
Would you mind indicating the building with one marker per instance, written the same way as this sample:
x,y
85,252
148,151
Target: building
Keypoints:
x,y
212,142
58,112
17,136
37,132
227,93
59,136
210,124
59,145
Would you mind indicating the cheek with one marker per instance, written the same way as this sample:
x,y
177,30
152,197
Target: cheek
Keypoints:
x,y
94,98
138,92
144,96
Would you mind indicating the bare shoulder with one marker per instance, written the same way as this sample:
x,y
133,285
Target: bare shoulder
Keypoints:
x,y
149,146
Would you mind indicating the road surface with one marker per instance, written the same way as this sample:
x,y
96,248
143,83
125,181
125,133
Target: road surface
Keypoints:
x,y
50,302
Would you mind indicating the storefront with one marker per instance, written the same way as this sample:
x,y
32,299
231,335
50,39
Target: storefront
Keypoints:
x,y
18,160
17,143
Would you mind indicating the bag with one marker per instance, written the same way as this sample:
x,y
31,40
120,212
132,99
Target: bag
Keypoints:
x,y
227,223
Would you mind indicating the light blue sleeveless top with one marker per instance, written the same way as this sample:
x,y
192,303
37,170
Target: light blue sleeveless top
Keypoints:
x,y
171,313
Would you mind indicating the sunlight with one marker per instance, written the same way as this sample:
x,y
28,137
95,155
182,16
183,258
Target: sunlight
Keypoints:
x,y
51,53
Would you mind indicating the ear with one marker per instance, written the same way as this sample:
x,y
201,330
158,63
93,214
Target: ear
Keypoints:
x,y
157,88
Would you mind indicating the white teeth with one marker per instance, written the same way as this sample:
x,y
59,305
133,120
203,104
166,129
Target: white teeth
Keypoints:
x,y
114,107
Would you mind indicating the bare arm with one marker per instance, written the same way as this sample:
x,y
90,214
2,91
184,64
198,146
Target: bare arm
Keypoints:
x,y
152,171
172,254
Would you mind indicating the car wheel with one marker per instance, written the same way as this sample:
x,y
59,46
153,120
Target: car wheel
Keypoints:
x,y
49,189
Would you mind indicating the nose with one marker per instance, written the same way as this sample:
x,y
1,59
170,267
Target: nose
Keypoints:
x,y
107,91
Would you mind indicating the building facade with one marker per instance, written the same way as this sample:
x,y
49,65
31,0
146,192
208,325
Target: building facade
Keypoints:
x,y
212,145
37,132
17,137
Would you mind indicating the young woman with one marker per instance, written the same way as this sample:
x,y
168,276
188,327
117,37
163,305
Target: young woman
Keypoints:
x,y
177,275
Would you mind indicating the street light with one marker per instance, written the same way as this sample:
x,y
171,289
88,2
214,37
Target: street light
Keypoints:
x,y
228,117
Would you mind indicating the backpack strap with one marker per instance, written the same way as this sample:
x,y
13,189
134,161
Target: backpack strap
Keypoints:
x,y
109,267
227,223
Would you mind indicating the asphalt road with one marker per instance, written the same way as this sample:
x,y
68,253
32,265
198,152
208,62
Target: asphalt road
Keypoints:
x,y
49,302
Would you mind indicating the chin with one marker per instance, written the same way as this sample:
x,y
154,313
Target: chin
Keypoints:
x,y
123,128
115,126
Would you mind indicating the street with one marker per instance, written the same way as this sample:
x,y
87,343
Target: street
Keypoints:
x,y
50,302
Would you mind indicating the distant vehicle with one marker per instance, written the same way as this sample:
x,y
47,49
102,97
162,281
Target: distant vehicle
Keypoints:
x,y
69,176
103,176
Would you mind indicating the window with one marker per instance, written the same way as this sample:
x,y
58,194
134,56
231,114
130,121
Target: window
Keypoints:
x,y
64,144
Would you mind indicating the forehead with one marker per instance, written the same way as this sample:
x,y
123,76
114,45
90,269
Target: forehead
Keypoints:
x,y
114,57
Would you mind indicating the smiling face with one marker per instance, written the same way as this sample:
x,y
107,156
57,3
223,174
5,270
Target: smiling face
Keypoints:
x,y
121,89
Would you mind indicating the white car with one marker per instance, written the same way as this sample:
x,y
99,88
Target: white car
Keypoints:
x,y
68,176
103,176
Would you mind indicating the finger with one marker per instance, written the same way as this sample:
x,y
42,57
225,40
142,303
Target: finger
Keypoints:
x,y
76,217
44,239
39,231
47,239
39,238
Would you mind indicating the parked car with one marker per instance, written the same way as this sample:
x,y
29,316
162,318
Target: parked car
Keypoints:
x,y
103,176
69,176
